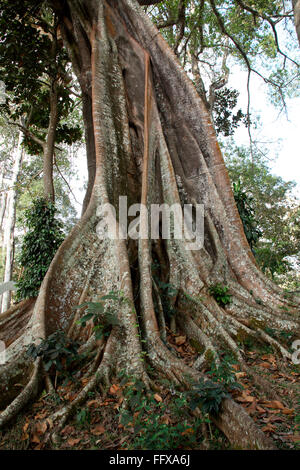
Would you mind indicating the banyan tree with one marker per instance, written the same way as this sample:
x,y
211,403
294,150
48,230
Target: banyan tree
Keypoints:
x,y
149,136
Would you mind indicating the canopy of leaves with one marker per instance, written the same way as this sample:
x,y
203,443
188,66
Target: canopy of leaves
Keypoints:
x,y
259,35
32,58
274,212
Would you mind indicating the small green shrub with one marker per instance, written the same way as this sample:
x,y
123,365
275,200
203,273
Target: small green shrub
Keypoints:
x,y
157,425
103,317
83,417
39,246
57,352
208,396
224,374
220,294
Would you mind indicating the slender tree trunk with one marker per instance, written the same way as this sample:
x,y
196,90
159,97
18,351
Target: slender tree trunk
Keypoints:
x,y
50,144
10,225
3,202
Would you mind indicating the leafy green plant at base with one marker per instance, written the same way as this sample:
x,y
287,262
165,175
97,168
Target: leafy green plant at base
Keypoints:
x,y
208,396
83,417
220,294
57,351
146,417
103,317
39,246
224,374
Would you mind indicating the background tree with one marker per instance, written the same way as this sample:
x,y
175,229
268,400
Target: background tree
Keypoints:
x,y
275,210
41,95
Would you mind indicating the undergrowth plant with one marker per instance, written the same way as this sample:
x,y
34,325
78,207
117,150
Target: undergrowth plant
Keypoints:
x,y
102,315
58,352
155,423
208,396
224,373
220,294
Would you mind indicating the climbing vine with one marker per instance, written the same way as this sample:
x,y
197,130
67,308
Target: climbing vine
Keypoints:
x,y
39,246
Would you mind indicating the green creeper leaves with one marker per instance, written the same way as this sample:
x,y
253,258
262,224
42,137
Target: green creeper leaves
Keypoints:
x,y
208,396
102,316
39,246
244,204
57,350
220,294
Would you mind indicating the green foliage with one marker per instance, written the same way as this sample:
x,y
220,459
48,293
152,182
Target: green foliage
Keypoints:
x,y
275,212
57,352
27,33
102,316
224,374
83,417
220,294
244,204
208,396
39,246
225,121
198,34
157,425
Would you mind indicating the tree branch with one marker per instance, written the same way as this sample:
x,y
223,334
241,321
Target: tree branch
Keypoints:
x,y
62,176
149,2
242,52
255,14
181,22
40,142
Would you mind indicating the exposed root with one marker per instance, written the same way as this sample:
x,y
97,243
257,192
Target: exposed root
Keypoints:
x,y
28,393
240,429
198,338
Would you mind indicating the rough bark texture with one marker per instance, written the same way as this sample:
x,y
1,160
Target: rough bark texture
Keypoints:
x,y
50,144
154,142
296,7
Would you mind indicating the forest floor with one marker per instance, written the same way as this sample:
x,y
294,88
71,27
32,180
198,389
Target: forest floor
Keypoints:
x,y
165,418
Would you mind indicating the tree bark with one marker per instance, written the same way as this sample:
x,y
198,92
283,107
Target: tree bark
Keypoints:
x,y
296,7
50,144
10,224
3,202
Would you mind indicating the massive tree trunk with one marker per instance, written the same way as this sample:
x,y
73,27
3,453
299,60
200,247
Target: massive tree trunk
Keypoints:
x,y
155,143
